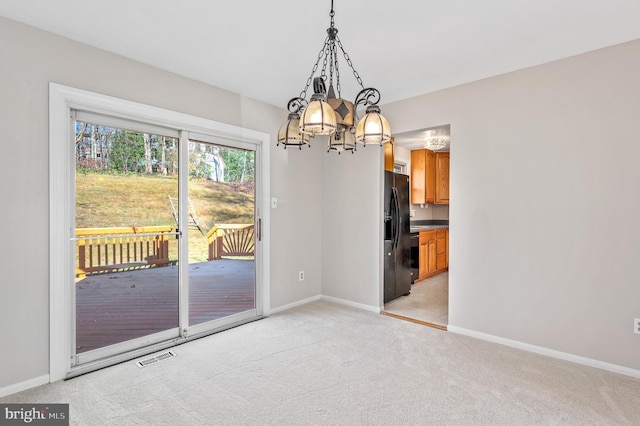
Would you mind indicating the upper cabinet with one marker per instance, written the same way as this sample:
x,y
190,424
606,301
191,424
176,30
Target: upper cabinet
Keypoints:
x,y
442,178
429,177
388,156
422,186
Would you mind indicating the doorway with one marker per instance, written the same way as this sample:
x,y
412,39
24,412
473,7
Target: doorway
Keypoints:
x,y
427,153
165,239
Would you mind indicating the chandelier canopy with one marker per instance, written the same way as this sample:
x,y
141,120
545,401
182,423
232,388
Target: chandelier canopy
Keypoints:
x,y
328,114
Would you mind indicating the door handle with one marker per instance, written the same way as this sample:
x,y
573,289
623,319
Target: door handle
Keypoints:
x,y
259,229
396,236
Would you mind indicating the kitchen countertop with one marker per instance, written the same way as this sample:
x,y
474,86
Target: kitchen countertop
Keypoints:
x,y
427,227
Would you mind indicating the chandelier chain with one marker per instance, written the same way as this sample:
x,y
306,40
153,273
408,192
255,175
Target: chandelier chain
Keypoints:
x,y
348,59
303,94
323,73
335,59
331,63
332,14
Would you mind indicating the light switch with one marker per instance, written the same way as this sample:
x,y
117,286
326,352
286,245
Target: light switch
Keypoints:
x,y
274,203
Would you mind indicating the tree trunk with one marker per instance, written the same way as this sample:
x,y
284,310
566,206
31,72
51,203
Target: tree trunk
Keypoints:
x,y
244,166
94,142
147,153
163,158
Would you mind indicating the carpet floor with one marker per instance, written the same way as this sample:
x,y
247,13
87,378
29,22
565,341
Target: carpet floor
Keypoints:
x,y
327,364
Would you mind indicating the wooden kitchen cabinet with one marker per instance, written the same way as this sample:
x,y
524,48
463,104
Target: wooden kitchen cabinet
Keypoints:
x,y
441,249
388,156
433,265
442,178
423,255
433,252
447,244
422,183
429,177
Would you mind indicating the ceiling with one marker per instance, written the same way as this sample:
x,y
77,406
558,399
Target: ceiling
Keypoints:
x,y
266,49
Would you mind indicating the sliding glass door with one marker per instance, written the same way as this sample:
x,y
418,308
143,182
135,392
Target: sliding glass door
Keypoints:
x,y
164,236
222,278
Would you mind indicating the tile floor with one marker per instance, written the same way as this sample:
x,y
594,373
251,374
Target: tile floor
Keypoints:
x,y
428,301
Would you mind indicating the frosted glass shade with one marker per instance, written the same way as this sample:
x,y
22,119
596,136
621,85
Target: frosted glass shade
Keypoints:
x,y
373,128
290,134
318,118
342,141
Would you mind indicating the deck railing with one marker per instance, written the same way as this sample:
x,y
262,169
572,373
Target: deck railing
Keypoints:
x,y
111,249
231,240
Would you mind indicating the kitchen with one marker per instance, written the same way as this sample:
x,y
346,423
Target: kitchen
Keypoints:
x,y
416,211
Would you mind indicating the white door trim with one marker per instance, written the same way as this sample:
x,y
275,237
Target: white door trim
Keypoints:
x,y
64,99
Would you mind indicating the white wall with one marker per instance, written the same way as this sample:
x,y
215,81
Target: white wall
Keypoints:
x,y
30,60
402,156
544,230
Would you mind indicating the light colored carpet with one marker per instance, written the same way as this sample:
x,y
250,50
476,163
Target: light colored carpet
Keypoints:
x,y
327,364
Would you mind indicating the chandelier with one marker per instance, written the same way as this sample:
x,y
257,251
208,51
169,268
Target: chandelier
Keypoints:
x,y
328,114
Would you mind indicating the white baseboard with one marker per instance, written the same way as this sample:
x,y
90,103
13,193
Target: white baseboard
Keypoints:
x,y
352,304
27,384
294,304
547,352
328,299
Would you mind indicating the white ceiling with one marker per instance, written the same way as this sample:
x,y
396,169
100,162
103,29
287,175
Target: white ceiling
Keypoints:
x,y
266,49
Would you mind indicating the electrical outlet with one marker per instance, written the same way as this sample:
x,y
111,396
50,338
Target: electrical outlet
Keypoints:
x,y
301,276
636,325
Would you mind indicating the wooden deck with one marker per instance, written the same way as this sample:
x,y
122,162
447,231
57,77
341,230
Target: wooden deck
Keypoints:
x,y
116,307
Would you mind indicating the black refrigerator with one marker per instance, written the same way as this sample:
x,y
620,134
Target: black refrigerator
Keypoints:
x,y
397,237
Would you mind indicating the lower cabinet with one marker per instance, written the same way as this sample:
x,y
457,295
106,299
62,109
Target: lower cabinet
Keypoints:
x,y
433,253
441,249
432,256
447,243
423,252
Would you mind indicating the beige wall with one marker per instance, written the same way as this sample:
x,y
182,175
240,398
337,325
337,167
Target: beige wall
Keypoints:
x,y
30,60
352,226
544,231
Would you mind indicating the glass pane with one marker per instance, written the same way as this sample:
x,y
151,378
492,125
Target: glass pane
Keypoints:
x,y
126,247
221,231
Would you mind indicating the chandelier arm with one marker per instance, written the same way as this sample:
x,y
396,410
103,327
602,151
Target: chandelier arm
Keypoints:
x,y
349,62
296,105
303,94
368,96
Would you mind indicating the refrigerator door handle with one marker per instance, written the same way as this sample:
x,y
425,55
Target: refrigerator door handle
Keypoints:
x,y
396,218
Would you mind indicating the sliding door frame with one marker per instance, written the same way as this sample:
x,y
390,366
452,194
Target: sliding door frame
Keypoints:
x,y
63,100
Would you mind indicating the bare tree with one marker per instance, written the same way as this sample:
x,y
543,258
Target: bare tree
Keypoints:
x,y
147,153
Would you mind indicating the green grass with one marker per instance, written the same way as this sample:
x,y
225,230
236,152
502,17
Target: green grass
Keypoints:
x,y
104,200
